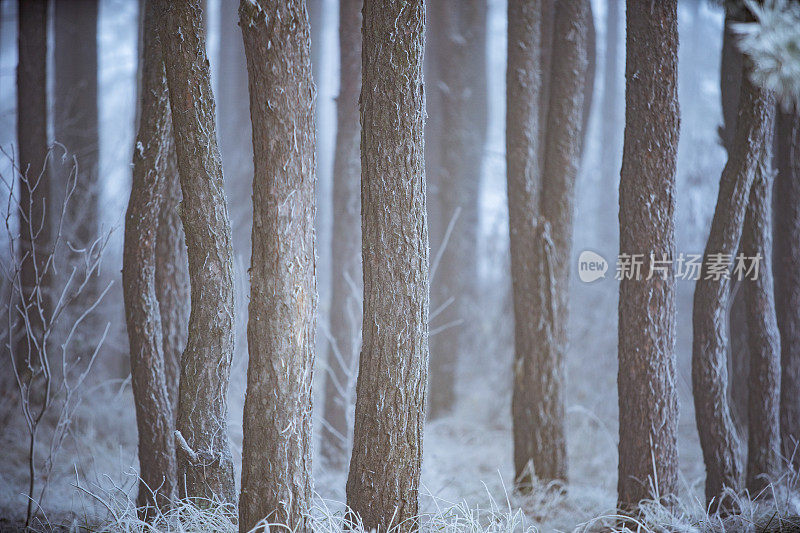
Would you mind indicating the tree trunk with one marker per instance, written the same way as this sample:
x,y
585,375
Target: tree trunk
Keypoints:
x,y
730,81
276,454
75,118
33,187
648,399
383,483
591,74
461,117
523,93
205,466
786,265
541,229
345,317
172,278
763,450
235,142
154,414
547,24
730,87
609,154
718,436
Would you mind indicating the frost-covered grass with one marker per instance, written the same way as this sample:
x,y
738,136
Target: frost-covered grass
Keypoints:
x,y
326,517
775,509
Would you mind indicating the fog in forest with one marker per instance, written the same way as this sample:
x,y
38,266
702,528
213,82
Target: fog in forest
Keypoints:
x,y
85,460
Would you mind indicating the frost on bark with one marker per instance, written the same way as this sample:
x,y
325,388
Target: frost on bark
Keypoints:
x,y
787,278
276,454
718,437
346,308
591,74
383,483
522,126
763,449
541,207
154,416
33,187
205,466
459,30
730,87
648,400
172,278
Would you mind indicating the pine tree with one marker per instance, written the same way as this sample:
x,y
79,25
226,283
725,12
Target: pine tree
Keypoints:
x,y
458,40
383,482
276,454
648,401
786,267
763,450
33,185
345,318
718,437
154,414
541,204
205,466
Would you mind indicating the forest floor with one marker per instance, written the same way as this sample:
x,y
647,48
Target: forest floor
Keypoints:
x,y
467,469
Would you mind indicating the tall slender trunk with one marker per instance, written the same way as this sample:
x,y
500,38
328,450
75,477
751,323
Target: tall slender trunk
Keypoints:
x,y
276,454
540,271
205,466
591,74
730,87
346,308
786,265
383,483
523,98
172,278
648,399
75,115
718,436
763,450
154,414
33,185
461,116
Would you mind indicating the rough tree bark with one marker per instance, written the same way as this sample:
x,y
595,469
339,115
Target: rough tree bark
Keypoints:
x,y
205,466
33,185
154,415
648,399
786,266
75,121
730,87
276,454
718,436
461,118
346,286
541,230
383,483
763,450
172,278
591,74
523,97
